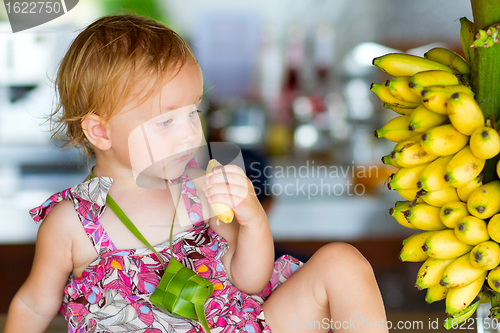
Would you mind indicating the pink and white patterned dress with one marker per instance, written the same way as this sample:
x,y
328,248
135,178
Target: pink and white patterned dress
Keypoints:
x,y
112,294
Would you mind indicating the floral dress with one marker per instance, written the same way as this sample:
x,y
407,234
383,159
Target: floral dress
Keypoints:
x,y
112,294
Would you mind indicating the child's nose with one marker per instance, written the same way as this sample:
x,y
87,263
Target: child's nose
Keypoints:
x,y
189,132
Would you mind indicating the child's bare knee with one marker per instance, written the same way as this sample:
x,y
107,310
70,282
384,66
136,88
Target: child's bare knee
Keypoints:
x,y
339,255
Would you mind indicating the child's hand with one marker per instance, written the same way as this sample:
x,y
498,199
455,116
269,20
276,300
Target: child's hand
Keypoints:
x,y
238,193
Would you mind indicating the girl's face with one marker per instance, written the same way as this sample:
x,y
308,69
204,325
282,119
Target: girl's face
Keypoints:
x,y
160,136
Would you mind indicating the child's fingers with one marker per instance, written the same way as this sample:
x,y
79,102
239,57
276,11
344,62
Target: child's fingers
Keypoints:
x,y
235,191
227,177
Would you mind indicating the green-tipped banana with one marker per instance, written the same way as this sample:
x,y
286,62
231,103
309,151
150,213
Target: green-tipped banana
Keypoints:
x,y
463,167
422,119
385,96
485,255
443,140
412,247
397,213
388,160
460,273
440,197
424,217
435,293
471,230
396,129
448,58
431,78
464,113
484,142
464,191
484,202
452,212
432,177
443,244
401,64
406,178
430,272
458,318
467,38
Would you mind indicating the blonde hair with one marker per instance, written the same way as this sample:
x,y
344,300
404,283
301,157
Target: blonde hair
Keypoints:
x,y
104,64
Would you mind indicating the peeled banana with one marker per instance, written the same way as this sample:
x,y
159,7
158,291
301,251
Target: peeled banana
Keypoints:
x,y
223,212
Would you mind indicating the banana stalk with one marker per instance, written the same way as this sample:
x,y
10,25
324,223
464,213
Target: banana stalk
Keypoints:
x,y
485,72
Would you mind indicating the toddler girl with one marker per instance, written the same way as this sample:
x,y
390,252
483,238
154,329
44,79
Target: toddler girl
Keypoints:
x,y
129,89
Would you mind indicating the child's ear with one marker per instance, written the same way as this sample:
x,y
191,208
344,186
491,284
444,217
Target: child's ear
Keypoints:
x,y
95,130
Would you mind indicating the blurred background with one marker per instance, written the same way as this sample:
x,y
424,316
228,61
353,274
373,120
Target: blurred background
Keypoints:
x,y
288,81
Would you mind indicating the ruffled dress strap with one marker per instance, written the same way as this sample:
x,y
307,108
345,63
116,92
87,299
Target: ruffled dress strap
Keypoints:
x,y
89,199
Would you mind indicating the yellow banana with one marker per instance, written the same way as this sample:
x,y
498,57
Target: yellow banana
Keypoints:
x,y
458,318
440,197
435,293
401,111
494,228
424,217
471,230
421,119
398,87
467,38
436,101
405,178
451,89
443,140
397,213
224,212
485,142
401,64
494,279
430,272
452,212
463,168
385,96
448,58
388,160
412,156
412,247
432,177
410,194
461,298
485,255
431,78
396,129
443,244
484,202
460,273
402,145
498,169
435,98
465,190
464,112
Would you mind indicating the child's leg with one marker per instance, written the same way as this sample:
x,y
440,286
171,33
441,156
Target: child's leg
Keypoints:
x,y
336,289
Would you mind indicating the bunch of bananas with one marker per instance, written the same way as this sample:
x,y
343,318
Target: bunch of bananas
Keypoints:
x,y
441,144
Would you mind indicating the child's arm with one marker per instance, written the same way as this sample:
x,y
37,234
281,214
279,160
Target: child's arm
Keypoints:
x,y
249,261
40,297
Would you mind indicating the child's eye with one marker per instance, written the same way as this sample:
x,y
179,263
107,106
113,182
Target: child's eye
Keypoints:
x,y
192,113
165,123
